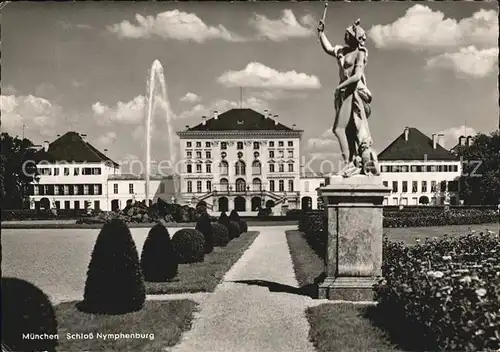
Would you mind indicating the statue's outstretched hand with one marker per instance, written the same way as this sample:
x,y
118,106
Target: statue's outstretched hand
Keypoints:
x,y
321,26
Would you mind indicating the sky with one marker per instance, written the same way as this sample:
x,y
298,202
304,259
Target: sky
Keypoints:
x,y
84,67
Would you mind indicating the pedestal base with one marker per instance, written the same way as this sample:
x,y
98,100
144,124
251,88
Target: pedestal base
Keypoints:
x,y
347,288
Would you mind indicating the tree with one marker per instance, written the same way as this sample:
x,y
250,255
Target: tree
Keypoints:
x,y
18,170
480,181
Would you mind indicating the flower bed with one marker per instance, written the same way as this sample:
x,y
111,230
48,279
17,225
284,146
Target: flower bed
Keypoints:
x,y
447,289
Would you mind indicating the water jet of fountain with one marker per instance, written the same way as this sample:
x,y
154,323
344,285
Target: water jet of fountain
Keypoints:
x,y
156,71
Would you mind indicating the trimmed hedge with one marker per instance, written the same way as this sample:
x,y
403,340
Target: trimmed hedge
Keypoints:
x,y
221,234
234,216
204,226
446,290
115,283
189,245
26,309
159,261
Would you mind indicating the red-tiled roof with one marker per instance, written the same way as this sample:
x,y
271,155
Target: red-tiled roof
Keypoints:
x,y
70,147
418,147
240,120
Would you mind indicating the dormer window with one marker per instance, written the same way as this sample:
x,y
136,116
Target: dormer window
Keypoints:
x,y
239,145
240,122
240,155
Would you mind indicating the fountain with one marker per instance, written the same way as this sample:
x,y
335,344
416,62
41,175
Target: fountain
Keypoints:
x,y
156,74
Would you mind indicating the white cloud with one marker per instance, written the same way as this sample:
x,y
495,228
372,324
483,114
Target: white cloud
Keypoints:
x,y
131,112
39,115
190,98
468,62
452,134
107,139
173,24
285,27
327,140
421,27
278,94
257,75
221,106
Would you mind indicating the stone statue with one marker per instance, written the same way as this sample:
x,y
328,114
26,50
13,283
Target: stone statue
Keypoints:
x,y
352,101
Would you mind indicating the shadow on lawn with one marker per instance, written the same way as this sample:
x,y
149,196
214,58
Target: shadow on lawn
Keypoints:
x,y
310,290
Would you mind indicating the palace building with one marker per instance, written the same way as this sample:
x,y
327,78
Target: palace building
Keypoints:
x,y
241,160
419,170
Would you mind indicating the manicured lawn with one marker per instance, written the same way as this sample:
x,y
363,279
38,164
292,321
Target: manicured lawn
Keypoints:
x,y
205,276
162,321
308,266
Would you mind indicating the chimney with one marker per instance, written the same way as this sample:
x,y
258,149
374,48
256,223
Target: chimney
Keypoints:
x,y
203,120
407,133
58,135
293,126
441,139
84,137
266,112
269,115
216,115
468,140
105,151
187,127
434,140
276,120
45,146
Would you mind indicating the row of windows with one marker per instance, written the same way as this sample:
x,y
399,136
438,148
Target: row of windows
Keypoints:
x,y
419,168
239,168
444,186
131,188
208,154
67,190
240,184
49,171
76,204
239,145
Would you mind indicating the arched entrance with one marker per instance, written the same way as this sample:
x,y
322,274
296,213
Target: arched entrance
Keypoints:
x,y
115,205
223,204
240,185
45,203
256,203
240,204
306,203
257,184
270,203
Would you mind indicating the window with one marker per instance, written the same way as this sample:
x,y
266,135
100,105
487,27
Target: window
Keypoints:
x,y
66,190
198,186
281,185
189,168
56,189
383,168
75,190
76,172
67,204
207,144
188,145
131,188
433,186
444,166
424,186
97,189
91,171
395,201
256,168
271,167
77,204
414,187
306,186
443,186
209,168
209,186
189,154
396,168
386,183
271,185
189,186
405,186
271,144
56,171
240,155
86,189
290,185
198,155
256,145
404,168
271,153
256,155
224,184
394,186
239,145
115,188
281,153
45,171
239,168
290,167
240,185
290,153
281,168
281,144
198,168
224,168
36,190
162,188
223,145
290,143
208,154
66,171
97,206
198,144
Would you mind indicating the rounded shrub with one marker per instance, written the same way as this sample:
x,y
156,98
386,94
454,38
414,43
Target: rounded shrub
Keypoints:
x,y
26,309
220,234
159,262
115,284
234,229
203,225
189,246
243,226
234,216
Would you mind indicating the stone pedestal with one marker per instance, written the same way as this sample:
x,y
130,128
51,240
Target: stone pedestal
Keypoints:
x,y
353,260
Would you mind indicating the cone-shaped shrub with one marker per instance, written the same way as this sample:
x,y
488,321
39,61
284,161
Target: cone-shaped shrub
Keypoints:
x,y
223,218
26,309
234,216
234,229
189,245
221,234
159,262
115,284
203,225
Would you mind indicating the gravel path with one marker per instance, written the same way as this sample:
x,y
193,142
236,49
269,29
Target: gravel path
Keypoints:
x,y
263,315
